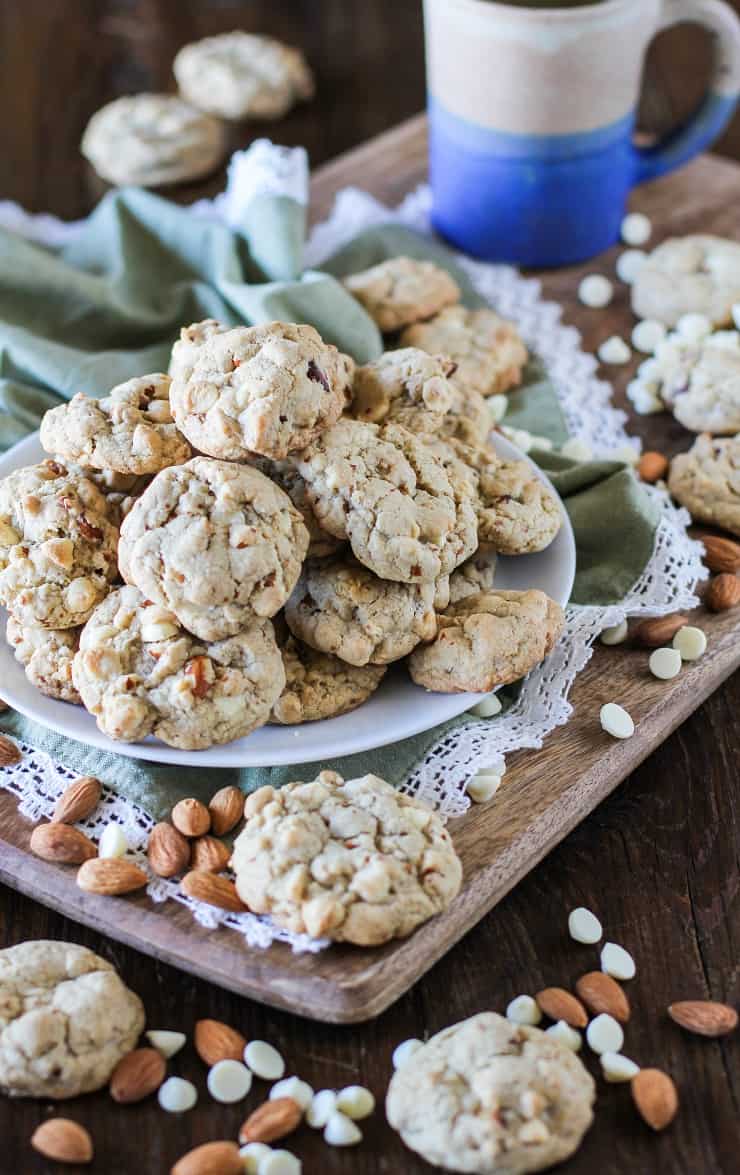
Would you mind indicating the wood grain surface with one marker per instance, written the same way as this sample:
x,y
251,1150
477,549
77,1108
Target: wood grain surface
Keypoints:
x,y
658,859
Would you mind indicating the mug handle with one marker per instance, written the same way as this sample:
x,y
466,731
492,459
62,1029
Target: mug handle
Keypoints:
x,y
718,106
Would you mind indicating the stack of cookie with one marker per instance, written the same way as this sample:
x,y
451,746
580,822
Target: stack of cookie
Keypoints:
x,y
285,525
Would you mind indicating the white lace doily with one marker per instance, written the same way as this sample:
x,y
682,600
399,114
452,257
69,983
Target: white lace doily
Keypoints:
x,y
666,584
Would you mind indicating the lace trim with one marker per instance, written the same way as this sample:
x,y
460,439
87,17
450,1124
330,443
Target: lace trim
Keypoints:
x,y
666,584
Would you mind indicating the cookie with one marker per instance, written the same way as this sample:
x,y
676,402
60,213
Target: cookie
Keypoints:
x,y
407,386
57,546
340,607
354,861
140,673
66,1019
401,291
517,511
128,431
488,351
243,75
218,544
473,576
706,480
47,655
468,417
285,474
700,381
267,389
689,275
318,685
186,349
491,1097
152,139
487,640
387,493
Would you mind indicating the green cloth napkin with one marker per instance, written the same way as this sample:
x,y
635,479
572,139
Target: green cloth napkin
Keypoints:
x,y
109,306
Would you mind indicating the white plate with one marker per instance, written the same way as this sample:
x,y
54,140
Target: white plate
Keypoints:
x,y
396,711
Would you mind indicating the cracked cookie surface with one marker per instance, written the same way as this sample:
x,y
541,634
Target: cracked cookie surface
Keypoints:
x,y
489,1097
401,291
700,382
243,75
487,350
129,431
696,274
354,861
218,544
340,607
139,673
47,655
387,493
268,389
487,640
57,545
66,1019
706,480
318,685
407,386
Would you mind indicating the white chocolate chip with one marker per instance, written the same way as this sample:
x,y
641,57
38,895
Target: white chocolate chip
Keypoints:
x,y
636,229
251,1154
629,265
533,1133
595,291
577,450
324,1103
497,407
643,399
176,1095
112,842
519,437
489,707
279,1163
648,335
341,1131
404,1050
229,1081
604,1034
616,721
264,1060
483,786
300,1091
665,663
166,1042
690,642
583,926
617,962
694,327
355,1101
566,1035
617,1067
616,635
614,350
158,632
524,1010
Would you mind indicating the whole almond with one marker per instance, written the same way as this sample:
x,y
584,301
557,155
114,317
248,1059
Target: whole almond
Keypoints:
x,y
212,1158
723,592
559,1004
63,1140
137,1075
214,890
655,1097
215,1041
652,466
658,631
271,1120
600,993
9,752
79,800
721,554
209,854
3,706
167,850
704,1017
227,809
191,818
61,843
110,875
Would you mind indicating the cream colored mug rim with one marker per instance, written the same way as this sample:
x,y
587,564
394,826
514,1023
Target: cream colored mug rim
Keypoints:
x,y
592,12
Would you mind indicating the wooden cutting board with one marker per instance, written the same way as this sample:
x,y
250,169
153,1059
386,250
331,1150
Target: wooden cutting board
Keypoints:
x,y
547,792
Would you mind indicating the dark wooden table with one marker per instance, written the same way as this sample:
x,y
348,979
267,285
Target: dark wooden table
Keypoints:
x,y
659,860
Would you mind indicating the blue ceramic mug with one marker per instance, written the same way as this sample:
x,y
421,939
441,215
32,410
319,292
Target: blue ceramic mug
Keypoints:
x,y
532,113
